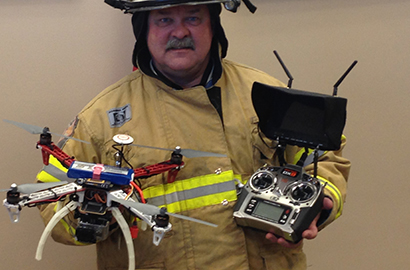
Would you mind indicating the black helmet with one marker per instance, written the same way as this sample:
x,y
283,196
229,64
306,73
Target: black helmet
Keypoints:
x,y
132,6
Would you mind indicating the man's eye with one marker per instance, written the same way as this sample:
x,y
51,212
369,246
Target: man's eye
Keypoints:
x,y
193,20
164,21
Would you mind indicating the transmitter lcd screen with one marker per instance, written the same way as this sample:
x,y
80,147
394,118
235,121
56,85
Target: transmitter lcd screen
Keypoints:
x,y
268,211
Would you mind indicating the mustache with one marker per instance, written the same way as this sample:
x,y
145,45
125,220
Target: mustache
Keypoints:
x,y
176,43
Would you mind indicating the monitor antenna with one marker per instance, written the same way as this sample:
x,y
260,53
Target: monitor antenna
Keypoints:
x,y
284,68
342,78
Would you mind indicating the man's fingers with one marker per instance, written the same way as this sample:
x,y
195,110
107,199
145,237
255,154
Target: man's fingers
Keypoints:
x,y
327,203
312,231
281,241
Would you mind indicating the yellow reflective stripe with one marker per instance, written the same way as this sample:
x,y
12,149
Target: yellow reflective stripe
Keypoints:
x,y
70,230
336,194
182,185
57,163
193,193
45,176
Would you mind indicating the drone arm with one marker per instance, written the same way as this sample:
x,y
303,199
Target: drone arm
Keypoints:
x,y
155,169
127,235
51,194
54,220
54,150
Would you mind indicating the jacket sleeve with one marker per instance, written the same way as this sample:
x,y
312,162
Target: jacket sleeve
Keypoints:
x,y
333,169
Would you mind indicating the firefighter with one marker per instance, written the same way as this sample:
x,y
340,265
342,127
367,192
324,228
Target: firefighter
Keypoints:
x,y
184,92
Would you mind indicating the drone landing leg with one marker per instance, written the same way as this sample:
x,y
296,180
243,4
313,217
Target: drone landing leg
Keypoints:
x,y
54,220
127,235
60,205
14,211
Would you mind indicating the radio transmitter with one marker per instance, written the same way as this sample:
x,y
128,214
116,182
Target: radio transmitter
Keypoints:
x,y
281,200
285,199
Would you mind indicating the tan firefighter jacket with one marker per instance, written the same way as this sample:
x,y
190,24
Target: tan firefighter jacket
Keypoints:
x,y
156,115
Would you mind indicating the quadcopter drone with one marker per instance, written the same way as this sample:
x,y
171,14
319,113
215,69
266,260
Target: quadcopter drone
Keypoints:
x,y
94,192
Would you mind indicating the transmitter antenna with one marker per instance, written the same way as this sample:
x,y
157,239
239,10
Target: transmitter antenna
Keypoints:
x,y
284,68
342,78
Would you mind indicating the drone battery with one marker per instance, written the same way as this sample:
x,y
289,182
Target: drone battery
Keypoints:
x,y
117,176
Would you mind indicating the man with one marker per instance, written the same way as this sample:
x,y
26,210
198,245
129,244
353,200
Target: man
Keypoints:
x,y
185,93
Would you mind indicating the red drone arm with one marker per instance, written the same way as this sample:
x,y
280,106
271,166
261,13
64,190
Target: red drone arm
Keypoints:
x,y
54,150
158,168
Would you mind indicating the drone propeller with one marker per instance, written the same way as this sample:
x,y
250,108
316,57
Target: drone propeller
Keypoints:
x,y
38,130
33,187
153,210
189,153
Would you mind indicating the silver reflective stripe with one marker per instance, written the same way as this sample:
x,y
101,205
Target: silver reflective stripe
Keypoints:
x,y
57,173
192,193
311,157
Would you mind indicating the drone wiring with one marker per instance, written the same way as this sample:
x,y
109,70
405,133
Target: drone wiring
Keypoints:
x,y
95,195
129,192
32,204
99,199
134,185
54,200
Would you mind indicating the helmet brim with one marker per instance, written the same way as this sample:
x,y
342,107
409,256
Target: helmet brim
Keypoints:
x,y
132,6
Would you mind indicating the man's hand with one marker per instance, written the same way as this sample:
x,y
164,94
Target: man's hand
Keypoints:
x,y
310,233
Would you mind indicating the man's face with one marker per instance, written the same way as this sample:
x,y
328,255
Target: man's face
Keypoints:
x,y
179,40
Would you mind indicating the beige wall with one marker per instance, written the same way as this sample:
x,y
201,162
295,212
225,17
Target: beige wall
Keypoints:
x,y
57,55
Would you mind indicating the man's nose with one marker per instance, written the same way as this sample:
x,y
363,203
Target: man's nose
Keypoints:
x,y
180,30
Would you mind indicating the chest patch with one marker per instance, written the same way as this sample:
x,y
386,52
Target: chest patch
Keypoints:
x,y
119,116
